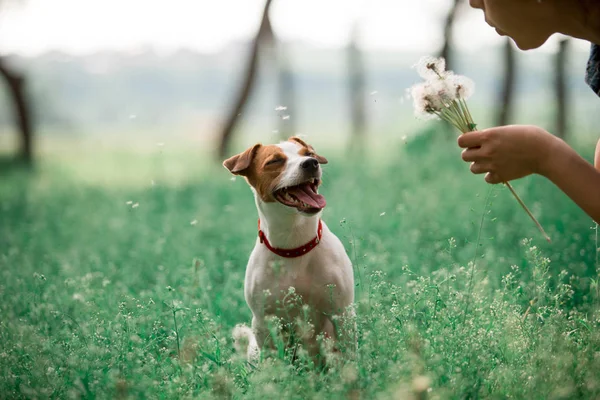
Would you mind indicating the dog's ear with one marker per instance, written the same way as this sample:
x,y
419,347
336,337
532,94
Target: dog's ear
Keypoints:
x,y
320,159
239,164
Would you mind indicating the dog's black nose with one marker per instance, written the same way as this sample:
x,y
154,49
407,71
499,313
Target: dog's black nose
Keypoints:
x,y
310,164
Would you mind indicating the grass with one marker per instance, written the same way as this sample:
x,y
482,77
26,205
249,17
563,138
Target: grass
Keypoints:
x,y
458,296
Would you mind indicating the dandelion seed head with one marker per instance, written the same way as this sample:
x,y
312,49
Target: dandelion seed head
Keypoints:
x,y
463,86
442,93
425,107
430,67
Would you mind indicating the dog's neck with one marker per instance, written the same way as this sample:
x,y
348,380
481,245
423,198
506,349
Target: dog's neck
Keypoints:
x,y
284,227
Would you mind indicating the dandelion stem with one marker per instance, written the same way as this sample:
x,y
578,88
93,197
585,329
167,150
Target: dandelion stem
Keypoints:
x,y
509,186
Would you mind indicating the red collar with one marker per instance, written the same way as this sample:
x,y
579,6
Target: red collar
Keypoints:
x,y
292,253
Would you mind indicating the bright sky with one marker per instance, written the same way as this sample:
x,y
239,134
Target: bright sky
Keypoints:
x,y
82,26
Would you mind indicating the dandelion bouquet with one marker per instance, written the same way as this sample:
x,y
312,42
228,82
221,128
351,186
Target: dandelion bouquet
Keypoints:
x,y
444,96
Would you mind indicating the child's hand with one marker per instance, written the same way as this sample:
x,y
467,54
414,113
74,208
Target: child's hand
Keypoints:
x,y
508,152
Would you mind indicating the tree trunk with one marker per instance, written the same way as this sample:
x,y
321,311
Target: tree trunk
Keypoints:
x,y
22,110
560,88
248,83
508,85
446,51
356,83
287,126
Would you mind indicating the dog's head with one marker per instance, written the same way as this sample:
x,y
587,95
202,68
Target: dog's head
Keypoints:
x,y
288,173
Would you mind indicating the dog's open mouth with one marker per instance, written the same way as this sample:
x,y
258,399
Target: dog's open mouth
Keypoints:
x,y
304,197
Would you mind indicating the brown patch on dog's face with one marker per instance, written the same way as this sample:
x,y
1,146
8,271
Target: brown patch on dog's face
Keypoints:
x,y
262,167
307,150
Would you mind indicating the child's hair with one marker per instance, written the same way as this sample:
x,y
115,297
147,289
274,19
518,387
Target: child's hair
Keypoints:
x,y
592,12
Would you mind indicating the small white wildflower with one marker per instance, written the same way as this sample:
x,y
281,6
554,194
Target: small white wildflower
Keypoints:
x,y
78,297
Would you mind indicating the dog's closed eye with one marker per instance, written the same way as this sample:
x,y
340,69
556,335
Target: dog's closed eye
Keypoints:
x,y
273,161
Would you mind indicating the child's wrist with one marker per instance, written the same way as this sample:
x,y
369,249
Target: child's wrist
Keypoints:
x,y
549,154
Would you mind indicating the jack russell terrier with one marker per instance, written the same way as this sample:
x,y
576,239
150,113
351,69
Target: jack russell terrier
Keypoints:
x,y
294,249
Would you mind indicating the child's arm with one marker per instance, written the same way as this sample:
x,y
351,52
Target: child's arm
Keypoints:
x,y
597,157
511,152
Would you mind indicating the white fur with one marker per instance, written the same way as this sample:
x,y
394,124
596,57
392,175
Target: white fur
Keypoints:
x,y
269,277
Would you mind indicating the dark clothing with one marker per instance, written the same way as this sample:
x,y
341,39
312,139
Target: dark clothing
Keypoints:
x,y
592,76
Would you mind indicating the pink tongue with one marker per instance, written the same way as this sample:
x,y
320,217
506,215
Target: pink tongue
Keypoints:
x,y
306,194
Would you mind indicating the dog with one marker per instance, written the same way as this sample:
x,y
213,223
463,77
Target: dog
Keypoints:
x,y
295,252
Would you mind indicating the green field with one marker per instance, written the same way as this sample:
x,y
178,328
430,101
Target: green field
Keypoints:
x,y
456,290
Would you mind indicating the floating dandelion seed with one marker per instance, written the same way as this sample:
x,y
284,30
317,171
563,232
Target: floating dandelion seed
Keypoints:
x,y
285,117
382,214
280,108
232,179
136,205
129,202
194,222
132,116
443,95
160,144
374,92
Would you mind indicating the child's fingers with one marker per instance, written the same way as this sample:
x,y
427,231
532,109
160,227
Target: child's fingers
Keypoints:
x,y
492,178
471,139
472,154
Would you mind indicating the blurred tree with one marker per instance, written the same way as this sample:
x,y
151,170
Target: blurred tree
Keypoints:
x,y
507,91
265,33
560,88
447,47
356,83
16,85
287,124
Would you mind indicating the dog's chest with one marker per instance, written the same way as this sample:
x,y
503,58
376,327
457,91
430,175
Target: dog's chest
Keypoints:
x,y
318,279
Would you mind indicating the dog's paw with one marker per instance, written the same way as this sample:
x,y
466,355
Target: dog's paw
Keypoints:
x,y
244,342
